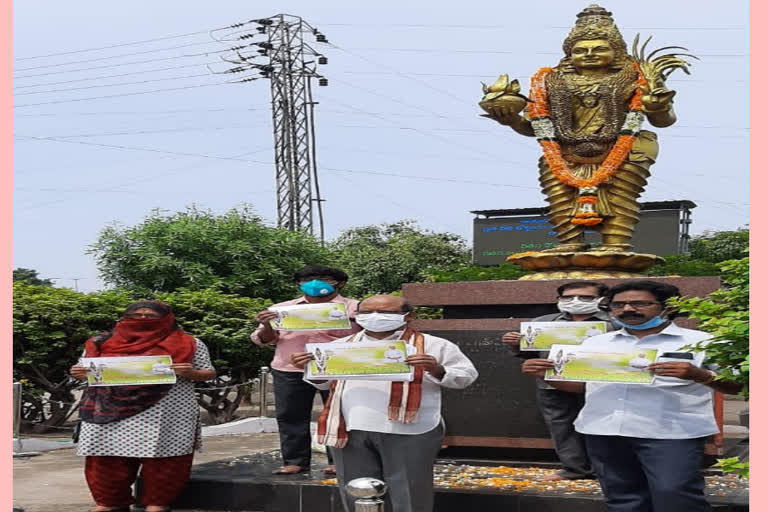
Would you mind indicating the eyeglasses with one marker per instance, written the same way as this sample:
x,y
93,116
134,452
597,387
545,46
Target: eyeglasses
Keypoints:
x,y
637,304
585,298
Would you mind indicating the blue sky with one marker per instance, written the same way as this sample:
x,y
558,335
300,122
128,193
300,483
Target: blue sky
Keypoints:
x,y
404,85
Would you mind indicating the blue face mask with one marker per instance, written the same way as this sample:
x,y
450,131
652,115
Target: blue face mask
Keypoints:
x,y
317,288
649,324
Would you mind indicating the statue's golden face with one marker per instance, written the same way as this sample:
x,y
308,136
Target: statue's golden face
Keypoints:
x,y
592,54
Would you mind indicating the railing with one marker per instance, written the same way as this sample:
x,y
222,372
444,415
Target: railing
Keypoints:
x,y
263,377
18,447
16,410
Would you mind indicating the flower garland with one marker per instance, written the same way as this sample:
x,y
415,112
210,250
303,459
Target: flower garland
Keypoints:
x,y
538,111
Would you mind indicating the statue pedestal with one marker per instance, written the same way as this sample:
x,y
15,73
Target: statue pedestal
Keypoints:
x,y
584,265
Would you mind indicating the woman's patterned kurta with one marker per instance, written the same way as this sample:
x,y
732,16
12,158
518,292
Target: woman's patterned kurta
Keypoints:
x,y
169,428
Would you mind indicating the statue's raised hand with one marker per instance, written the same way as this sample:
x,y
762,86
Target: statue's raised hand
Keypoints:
x,y
659,99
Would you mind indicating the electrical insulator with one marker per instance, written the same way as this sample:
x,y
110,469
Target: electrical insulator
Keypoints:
x,y
321,38
261,30
322,60
323,82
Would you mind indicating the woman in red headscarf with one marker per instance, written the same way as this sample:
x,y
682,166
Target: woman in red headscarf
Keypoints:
x,y
155,427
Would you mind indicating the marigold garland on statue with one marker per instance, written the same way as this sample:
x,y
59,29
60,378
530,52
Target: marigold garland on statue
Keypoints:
x,y
538,111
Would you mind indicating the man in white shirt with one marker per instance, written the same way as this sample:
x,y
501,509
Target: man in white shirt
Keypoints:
x,y
387,430
646,441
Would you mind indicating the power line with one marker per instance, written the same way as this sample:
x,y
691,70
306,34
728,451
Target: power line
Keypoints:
x,y
123,64
111,57
119,95
406,76
154,176
144,112
142,72
135,148
121,84
113,45
451,143
425,178
146,132
473,130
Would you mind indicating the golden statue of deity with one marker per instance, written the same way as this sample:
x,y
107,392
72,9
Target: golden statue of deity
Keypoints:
x,y
587,114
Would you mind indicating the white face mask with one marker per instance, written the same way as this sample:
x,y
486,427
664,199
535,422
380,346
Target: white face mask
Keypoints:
x,y
579,307
380,322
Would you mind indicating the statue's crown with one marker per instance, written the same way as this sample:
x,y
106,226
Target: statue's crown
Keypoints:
x,y
594,15
594,10
594,22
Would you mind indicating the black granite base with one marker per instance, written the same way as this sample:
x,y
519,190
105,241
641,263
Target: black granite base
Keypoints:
x,y
247,484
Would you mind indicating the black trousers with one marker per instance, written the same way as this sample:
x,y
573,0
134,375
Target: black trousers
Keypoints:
x,y
559,410
649,475
293,404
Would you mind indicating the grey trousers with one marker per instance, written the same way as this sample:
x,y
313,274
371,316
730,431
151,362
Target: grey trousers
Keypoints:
x,y
404,462
559,409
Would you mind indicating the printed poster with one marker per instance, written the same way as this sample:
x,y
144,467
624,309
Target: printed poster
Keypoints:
x,y
311,317
575,363
129,371
364,360
539,336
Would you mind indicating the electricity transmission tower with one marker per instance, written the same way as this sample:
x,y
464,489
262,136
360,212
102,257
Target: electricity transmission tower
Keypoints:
x,y
291,67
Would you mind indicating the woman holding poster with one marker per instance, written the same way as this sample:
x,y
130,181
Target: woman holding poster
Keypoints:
x,y
155,427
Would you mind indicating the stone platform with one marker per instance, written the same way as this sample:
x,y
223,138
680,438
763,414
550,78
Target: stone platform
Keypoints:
x,y
246,484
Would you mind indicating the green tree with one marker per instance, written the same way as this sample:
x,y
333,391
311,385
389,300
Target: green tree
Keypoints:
x,y
379,259
725,314
684,265
717,246
29,276
196,249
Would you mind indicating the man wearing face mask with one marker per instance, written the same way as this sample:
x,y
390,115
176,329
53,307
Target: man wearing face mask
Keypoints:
x,y
293,396
577,301
646,441
391,430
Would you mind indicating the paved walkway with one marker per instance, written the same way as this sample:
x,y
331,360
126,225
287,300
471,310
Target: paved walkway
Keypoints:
x,y
54,481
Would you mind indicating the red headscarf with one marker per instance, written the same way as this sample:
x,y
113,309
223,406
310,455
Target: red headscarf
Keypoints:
x,y
145,337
